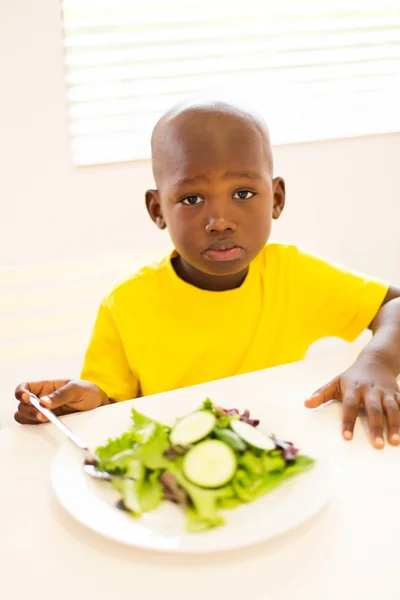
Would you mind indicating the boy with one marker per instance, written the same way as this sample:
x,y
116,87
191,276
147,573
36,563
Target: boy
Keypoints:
x,y
224,302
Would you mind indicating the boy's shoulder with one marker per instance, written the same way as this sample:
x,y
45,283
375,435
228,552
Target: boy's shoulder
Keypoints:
x,y
281,248
294,259
280,259
143,282
279,252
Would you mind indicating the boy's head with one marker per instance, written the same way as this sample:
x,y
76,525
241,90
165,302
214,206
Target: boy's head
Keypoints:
x,y
212,164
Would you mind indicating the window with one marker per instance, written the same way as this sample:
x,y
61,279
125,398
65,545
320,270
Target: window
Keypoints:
x,y
316,69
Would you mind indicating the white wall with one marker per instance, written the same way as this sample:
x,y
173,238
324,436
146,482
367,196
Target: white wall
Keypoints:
x,y
343,196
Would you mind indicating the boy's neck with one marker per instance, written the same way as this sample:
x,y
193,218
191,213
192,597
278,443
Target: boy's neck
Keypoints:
x,y
203,281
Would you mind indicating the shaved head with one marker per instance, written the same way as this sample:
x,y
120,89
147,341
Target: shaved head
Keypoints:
x,y
205,129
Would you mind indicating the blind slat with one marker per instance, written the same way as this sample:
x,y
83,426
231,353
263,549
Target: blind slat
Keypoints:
x,y
102,110
243,61
190,84
225,30
80,59
183,16
111,8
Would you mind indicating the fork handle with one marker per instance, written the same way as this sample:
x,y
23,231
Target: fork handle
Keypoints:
x,y
89,458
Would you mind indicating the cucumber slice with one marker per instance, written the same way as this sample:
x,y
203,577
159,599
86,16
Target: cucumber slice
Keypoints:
x,y
210,464
192,428
231,438
252,436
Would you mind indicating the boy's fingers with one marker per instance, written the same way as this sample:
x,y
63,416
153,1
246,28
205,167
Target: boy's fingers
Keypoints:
x,y
351,405
22,392
324,394
22,420
392,413
68,394
39,388
27,410
376,421
29,414
27,418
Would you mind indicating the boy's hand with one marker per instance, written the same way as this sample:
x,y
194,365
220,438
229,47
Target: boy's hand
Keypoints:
x,y
62,396
368,384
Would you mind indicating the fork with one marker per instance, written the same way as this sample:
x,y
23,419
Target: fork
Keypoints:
x,y
90,461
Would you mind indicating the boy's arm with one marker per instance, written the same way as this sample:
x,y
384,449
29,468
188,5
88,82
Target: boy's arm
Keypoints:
x,y
385,344
371,381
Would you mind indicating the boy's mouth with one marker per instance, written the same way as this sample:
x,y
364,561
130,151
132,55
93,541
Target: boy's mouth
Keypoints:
x,y
221,251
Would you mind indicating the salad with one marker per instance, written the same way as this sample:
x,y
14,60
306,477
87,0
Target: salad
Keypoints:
x,y
211,459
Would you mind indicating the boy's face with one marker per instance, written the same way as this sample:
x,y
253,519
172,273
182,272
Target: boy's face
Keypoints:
x,y
216,195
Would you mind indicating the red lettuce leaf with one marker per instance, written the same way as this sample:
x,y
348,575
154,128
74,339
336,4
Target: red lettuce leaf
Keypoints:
x,y
172,490
233,412
289,450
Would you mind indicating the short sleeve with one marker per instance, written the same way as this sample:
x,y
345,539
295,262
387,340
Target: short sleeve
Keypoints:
x,y
333,301
105,362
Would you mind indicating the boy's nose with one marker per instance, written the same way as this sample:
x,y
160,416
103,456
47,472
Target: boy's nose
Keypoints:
x,y
219,224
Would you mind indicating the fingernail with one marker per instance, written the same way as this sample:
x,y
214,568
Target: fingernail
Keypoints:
x,y
41,417
395,438
347,435
379,442
45,400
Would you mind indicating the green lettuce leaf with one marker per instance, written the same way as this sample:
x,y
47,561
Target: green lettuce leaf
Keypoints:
x,y
124,463
273,463
131,490
204,510
144,428
252,463
151,493
151,454
140,495
249,488
301,463
146,440
126,442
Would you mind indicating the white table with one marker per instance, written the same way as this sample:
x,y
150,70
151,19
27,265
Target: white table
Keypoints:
x,y
350,548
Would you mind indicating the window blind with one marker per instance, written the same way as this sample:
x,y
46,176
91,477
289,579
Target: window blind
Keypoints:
x,y
315,69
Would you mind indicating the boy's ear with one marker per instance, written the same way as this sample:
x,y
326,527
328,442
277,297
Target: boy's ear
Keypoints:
x,y
278,186
154,208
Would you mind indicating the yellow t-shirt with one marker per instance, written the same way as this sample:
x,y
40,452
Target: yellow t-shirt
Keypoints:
x,y
155,332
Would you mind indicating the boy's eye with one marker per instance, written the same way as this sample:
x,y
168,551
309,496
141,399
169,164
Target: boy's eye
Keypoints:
x,y
192,200
243,195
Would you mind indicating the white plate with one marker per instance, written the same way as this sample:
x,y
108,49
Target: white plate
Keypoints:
x,y
93,503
